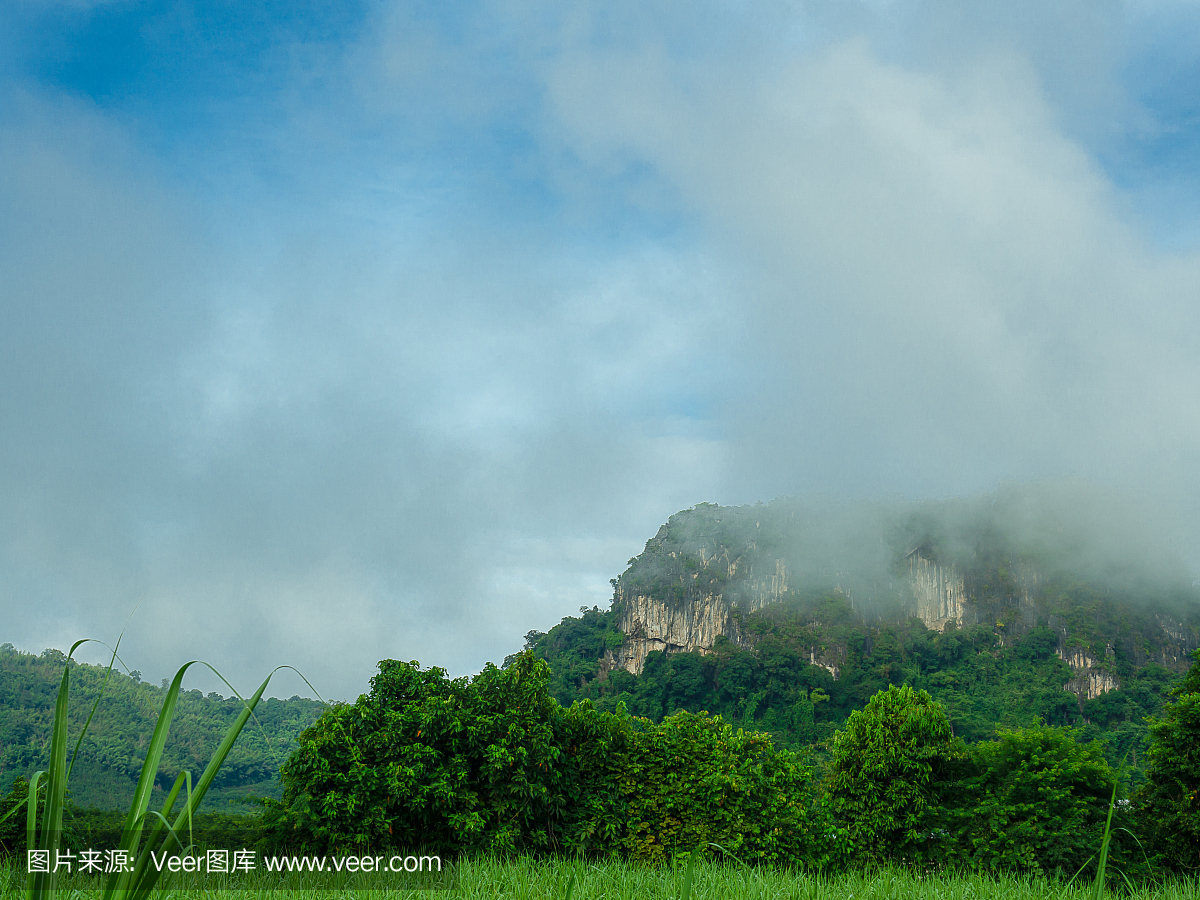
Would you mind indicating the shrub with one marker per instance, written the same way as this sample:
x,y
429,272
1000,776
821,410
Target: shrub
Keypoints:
x,y
888,765
1169,802
1036,800
424,761
496,765
589,808
692,780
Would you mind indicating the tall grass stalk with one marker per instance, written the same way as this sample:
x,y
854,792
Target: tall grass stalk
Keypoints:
x,y
1101,880
138,880
1105,842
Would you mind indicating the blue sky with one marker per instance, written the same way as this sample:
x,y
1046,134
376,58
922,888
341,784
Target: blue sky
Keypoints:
x,y
394,329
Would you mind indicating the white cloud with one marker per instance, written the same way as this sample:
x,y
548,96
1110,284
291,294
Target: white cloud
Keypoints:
x,y
513,290
292,451
942,277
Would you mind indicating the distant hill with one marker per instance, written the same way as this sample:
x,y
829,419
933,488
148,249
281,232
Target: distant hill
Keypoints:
x,y
787,616
111,755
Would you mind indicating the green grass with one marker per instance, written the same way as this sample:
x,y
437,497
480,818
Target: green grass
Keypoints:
x,y
715,881
529,879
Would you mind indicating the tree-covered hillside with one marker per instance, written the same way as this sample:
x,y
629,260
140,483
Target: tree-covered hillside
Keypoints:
x,y
772,686
112,753
786,617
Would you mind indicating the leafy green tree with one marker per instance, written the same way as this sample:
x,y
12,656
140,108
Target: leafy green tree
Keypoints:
x,y
424,761
12,818
693,780
887,766
1036,800
494,764
1170,799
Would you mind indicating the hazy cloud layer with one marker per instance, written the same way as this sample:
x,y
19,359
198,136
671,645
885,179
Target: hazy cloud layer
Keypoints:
x,y
396,334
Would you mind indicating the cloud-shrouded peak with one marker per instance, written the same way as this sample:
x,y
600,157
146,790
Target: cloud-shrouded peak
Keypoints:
x,y
393,331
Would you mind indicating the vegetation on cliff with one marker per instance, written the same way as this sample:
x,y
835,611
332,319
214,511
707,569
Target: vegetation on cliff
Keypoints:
x,y
773,685
1055,623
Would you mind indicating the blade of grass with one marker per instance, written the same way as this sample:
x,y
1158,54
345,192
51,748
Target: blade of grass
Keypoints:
x,y
56,787
685,890
134,886
99,696
120,881
31,878
1105,840
262,731
222,751
131,834
1102,865
42,883
140,879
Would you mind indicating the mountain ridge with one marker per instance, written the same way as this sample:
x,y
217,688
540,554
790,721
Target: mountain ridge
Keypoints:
x,y
111,755
708,567
784,617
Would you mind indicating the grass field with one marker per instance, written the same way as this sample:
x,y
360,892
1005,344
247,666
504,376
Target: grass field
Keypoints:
x,y
526,879
713,881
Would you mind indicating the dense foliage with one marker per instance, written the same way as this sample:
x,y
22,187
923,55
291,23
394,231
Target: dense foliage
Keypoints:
x,y
986,682
1034,799
1170,800
110,758
889,765
494,764
424,761
693,781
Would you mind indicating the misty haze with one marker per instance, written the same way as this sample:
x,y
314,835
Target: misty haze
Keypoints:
x,y
755,361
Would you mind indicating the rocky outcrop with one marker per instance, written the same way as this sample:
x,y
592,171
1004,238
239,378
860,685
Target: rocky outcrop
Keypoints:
x,y
1028,579
695,624
651,625
709,567
818,661
1090,679
698,576
939,592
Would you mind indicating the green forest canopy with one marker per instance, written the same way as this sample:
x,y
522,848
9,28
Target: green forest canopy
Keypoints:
x,y
111,755
772,686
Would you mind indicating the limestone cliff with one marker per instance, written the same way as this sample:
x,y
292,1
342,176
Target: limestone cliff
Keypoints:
x,y
650,625
694,621
710,568
1090,678
697,579
938,591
